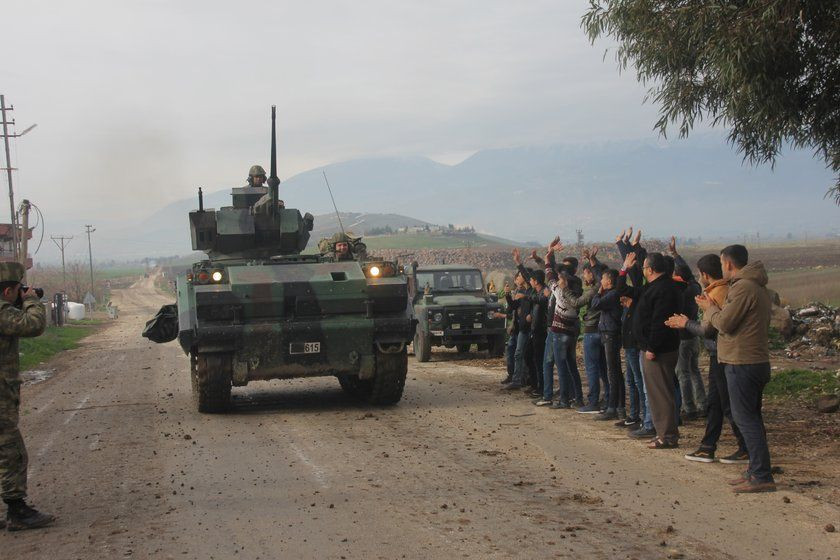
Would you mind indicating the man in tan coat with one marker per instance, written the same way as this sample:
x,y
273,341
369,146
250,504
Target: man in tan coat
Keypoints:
x,y
742,323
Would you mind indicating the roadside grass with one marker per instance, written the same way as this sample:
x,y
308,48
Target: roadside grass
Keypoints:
x,y
793,383
33,351
776,340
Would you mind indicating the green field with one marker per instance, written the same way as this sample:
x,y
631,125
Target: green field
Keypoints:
x,y
431,241
33,351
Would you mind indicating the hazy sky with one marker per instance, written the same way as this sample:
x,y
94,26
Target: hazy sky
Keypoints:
x,y
138,103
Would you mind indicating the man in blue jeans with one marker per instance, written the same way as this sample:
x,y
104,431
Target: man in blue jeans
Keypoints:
x,y
594,359
742,324
564,325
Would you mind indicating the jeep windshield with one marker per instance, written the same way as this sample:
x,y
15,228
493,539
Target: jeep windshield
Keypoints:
x,y
450,280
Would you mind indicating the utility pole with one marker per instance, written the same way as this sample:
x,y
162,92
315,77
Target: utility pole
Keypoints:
x,y
24,233
60,243
90,229
6,122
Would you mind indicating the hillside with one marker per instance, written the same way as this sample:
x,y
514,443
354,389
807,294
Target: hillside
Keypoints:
x,y
695,188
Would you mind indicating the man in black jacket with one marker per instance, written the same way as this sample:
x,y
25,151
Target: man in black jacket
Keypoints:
x,y
536,300
659,300
692,390
518,302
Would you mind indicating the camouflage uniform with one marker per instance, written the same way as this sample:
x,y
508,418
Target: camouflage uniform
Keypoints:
x,y
358,250
30,320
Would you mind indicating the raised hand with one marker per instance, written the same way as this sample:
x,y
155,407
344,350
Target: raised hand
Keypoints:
x,y
628,233
637,237
554,241
558,247
593,252
672,246
629,261
585,253
534,255
517,256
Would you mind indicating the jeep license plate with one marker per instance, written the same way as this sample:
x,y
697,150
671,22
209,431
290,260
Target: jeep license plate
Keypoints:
x,y
456,326
305,348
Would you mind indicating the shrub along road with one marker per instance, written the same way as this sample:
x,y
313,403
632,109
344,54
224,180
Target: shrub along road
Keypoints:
x,y
298,470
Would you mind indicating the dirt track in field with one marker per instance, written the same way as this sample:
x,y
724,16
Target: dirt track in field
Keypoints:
x,y
299,470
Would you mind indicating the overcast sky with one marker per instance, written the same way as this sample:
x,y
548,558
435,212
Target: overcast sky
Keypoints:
x,y
138,103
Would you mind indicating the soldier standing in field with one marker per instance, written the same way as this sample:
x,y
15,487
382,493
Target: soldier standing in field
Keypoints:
x,y
21,314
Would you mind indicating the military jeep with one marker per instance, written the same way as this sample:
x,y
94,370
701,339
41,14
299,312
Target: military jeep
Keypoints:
x,y
454,310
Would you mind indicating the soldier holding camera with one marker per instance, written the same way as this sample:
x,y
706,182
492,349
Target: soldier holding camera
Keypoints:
x,y
21,314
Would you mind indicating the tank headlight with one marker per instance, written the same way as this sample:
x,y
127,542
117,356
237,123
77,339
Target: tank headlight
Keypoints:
x,y
375,271
217,276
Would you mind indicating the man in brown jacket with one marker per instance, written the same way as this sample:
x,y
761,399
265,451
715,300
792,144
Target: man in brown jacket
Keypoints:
x,y
742,323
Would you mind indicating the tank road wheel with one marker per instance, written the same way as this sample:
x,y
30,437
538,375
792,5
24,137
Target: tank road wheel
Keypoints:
x,y
496,346
422,346
463,348
211,381
386,386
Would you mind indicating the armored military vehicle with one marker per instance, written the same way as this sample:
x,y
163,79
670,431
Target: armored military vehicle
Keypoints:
x,y
453,310
257,309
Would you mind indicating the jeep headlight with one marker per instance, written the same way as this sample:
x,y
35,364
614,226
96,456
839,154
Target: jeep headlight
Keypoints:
x,y
437,317
491,314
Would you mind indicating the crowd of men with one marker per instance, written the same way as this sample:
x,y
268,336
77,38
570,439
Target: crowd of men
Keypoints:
x,y
657,311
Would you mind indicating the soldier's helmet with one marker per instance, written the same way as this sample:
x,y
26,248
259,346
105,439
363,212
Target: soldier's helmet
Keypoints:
x,y
328,244
256,171
11,271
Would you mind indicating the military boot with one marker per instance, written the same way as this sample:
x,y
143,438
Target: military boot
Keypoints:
x,y
21,517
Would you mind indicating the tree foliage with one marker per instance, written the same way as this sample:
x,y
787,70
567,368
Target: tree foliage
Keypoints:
x,y
769,70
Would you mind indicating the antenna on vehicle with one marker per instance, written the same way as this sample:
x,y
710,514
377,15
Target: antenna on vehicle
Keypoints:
x,y
273,181
337,215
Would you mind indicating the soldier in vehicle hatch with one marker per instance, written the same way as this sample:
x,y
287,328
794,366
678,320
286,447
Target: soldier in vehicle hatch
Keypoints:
x,y
342,247
21,314
256,176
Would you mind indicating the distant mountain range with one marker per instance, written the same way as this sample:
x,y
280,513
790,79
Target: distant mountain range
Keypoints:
x,y
695,187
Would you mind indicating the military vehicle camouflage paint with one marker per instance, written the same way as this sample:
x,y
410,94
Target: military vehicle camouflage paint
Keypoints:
x,y
453,310
257,309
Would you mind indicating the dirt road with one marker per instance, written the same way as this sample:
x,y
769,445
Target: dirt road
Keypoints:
x,y
298,470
